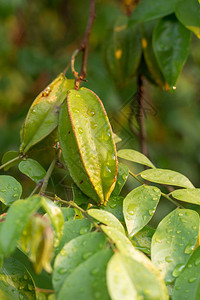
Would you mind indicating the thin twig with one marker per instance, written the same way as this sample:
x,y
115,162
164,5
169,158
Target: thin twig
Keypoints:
x,y
38,185
84,49
11,161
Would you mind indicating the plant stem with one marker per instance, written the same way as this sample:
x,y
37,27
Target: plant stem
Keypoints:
x,y
163,194
11,161
49,172
38,185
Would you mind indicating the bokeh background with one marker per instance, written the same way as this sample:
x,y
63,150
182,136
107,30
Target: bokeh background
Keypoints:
x,y
37,39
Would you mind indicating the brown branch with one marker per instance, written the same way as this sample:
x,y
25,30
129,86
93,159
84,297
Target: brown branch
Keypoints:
x,y
83,48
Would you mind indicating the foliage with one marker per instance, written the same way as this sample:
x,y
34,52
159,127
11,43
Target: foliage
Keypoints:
x,y
98,244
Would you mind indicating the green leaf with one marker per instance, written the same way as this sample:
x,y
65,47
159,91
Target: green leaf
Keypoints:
x,y
142,239
68,213
117,138
73,229
106,218
145,11
174,241
188,281
32,169
129,279
164,176
115,207
78,197
187,195
139,207
171,43
55,214
122,175
16,219
87,144
10,189
9,156
149,56
74,253
188,13
122,50
42,117
88,280
15,281
135,156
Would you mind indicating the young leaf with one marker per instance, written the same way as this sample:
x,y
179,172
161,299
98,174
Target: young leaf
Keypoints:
x,y
9,156
145,12
88,280
10,189
125,247
188,281
174,241
142,239
16,219
164,176
32,169
107,218
149,56
187,195
171,42
87,144
73,229
188,13
115,207
15,281
75,253
129,279
139,207
135,156
42,117
55,214
122,175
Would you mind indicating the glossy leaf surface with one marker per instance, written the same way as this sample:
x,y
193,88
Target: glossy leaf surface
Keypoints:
x,y
164,176
9,156
106,218
187,195
135,156
146,12
188,281
122,175
16,219
42,117
115,207
188,13
88,280
171,42
122,50
174,241
87,144
15,282
129,279
32,169
73,229
139,206
74,253
10,189
142,239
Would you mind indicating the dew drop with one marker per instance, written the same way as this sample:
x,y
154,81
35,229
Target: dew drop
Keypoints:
x,y
151,212
9,186
83,230
15,189
180,214
15,195
86,255
95,271
197,261
178,231
189,266
91,113
189,249
177,288
177,270
62,270
113,205
168,259
3,191
80,130
63,252
192,279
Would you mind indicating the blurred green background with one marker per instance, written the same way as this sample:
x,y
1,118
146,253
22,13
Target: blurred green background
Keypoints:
x,y
37,39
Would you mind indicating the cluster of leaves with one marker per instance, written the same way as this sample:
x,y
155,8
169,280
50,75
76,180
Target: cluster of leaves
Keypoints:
x,y
97,245
153,41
